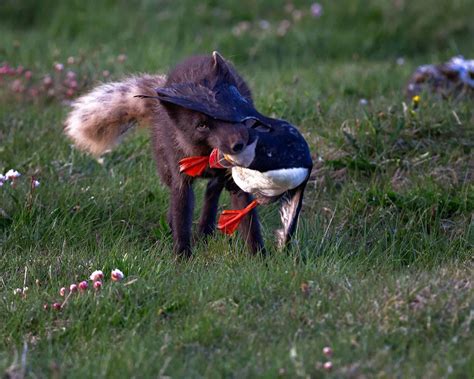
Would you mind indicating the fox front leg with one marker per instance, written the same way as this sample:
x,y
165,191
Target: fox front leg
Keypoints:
x,y
182,206
207,222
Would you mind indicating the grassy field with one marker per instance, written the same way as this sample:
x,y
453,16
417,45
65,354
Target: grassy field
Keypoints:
x,y
382,269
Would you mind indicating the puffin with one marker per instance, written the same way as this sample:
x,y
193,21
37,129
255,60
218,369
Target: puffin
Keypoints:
x,y
275,165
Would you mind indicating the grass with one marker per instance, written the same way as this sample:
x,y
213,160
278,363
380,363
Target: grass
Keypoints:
x,y
382,267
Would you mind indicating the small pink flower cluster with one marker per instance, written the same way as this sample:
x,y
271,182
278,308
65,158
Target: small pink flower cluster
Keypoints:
x,y
282,27
316,10
24,85
10,175
20,291
327,351
97,281
13,176
61,83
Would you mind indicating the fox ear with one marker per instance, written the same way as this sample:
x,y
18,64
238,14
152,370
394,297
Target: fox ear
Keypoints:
x,y
219,65
217,59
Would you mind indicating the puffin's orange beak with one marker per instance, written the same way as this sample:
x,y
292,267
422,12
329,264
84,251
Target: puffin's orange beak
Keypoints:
x,y
214,159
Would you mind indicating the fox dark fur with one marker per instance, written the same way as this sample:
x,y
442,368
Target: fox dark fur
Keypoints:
x,y
100,118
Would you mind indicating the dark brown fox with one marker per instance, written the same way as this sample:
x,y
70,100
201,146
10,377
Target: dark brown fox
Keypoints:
x,y
100,118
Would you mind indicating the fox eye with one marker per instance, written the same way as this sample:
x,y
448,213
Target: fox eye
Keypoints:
x,y
202,126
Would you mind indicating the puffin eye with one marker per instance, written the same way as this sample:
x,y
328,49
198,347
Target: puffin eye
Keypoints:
x,y
259,127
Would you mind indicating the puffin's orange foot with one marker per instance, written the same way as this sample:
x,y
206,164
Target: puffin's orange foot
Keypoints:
x,y
229,220
193,166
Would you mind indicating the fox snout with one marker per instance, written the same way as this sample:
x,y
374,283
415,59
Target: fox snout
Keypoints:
x,y
230,138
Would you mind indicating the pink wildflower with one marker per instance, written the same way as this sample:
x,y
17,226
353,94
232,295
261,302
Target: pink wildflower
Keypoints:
x,y
97,275
57,306
97,285
33,92
83,285
328,366
58,67
12,174
17,86
73,288
7,70
62,291
327,351
316,10
47,81
71,75
117,275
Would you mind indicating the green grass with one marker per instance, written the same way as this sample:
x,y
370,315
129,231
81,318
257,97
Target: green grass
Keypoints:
x,y
382,267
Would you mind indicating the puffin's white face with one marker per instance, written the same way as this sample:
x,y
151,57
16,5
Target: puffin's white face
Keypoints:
x,y
245,158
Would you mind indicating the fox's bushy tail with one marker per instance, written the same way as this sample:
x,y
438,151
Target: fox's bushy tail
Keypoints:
x,y
101,117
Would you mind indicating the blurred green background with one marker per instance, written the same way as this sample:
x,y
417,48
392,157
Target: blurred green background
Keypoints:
x,y
157,33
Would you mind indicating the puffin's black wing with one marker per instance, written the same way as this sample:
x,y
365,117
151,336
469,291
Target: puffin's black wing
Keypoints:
x,y
223,102
190,96
291,203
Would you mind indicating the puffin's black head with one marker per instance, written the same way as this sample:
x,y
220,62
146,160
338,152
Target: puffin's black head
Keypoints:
x,y
275,144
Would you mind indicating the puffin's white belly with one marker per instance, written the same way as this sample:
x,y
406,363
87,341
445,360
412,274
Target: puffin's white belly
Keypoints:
x,y
269,183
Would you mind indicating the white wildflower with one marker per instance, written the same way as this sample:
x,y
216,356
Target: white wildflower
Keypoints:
x,y
12,174
400,61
